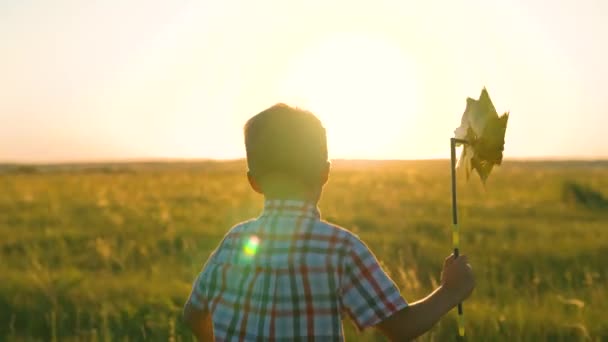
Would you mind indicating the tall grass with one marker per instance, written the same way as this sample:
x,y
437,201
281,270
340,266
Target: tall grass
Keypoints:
x,y
108,252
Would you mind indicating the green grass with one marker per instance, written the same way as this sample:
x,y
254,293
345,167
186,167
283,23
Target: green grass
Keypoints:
x,y
108,252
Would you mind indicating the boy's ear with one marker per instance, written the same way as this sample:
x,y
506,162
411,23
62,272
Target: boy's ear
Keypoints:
x,y
254,184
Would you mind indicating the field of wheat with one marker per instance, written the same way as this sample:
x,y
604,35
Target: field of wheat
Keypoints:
x,y
109,251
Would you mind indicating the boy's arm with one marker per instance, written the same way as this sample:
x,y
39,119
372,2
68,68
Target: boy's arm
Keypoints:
x,y
419,317
196,315
199,322
371,298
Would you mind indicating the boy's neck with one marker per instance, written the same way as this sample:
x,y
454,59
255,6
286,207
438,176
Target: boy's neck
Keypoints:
x,y
286,189
308,199
310,196
304,195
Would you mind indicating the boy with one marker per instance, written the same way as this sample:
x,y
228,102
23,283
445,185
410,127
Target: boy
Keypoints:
x,y
287,275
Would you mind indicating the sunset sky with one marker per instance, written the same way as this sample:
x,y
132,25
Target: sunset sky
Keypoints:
x,y
112,80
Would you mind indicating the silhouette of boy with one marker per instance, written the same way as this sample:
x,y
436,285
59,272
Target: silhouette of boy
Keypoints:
x,y
287,275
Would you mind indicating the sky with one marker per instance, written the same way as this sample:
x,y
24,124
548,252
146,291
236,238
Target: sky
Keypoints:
x,y
117,79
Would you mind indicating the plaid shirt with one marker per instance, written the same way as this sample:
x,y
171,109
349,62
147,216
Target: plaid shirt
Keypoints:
x,y
289,276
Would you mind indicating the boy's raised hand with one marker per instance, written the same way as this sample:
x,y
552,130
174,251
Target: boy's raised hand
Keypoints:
x,y
457,283
457,277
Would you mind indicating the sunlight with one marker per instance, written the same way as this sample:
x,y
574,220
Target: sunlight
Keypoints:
x,y
362,87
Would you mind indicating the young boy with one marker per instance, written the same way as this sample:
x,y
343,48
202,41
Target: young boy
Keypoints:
x,y
287,275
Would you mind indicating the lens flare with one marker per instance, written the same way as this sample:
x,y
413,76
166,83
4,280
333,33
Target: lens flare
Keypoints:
x,y
251,246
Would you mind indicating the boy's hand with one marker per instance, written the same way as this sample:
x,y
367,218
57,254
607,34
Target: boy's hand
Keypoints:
x,y
457,277
457,283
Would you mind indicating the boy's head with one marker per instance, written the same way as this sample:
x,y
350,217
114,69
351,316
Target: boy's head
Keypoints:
x,y
286,151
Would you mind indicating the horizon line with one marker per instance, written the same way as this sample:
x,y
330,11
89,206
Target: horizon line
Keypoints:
x,y
169,160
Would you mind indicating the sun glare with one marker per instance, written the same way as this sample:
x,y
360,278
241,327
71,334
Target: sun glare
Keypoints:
x,y
362,87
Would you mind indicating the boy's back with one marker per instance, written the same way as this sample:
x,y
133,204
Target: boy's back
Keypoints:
x,y
288,276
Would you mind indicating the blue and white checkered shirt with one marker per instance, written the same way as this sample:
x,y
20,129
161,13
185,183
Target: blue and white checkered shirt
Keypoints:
x,y
289,276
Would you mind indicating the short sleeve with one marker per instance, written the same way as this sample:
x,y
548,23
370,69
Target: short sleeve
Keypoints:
x,y
368,294
197,296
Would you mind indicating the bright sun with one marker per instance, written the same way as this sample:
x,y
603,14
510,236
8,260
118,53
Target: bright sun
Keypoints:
x,y
363,89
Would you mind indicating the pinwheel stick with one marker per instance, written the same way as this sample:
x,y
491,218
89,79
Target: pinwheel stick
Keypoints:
x,y
455,232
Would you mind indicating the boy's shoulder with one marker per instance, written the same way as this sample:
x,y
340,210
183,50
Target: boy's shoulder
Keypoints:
x,y
320,229
339,230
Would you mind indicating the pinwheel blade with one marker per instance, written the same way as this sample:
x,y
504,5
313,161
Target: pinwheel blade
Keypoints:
x,y
484,132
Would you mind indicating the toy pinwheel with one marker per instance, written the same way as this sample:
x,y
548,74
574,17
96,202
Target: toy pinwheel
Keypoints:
x,y
482,134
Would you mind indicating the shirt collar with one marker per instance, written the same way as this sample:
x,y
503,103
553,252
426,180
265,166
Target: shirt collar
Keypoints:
x,y
290,208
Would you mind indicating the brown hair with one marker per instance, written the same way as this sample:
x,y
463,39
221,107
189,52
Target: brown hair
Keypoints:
x,y
288,141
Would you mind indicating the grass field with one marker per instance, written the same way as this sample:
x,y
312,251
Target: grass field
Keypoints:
x,y
108,251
